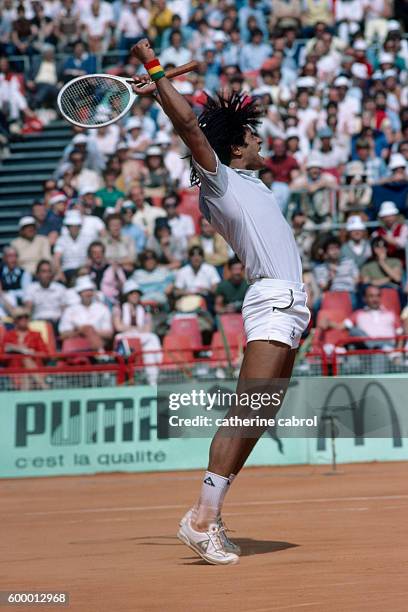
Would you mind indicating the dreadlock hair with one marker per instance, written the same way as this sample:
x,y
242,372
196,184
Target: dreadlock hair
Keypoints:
x,y
224,122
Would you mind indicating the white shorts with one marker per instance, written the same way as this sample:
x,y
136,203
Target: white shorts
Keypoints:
x,y
275,310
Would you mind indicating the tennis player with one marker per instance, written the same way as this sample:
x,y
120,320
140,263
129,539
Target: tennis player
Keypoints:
x,y
225,149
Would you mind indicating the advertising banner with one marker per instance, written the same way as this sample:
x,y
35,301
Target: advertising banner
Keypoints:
x,y
85,431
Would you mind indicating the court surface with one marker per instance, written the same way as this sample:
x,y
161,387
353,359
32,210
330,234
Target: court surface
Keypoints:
x,y
311,542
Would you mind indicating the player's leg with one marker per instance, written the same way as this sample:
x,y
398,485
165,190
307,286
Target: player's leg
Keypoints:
x,y
264,362
250,442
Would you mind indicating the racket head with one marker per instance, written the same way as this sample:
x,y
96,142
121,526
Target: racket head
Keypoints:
x,y
95,100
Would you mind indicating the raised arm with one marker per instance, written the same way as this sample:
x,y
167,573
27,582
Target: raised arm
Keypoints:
x,y
176,108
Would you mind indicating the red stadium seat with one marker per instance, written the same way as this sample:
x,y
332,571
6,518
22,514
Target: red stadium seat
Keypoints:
x,y
47,333
131,346
189,206
177,350
390,300
75,345
337,300
330,336
187,326
219,352
232,324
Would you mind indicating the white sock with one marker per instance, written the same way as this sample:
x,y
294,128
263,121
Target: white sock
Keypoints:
x,y
227,488
213,491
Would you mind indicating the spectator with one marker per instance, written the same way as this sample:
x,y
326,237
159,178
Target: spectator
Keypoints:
x,y
97,23
372,321
97,262
331,156
109,195
398,169
336,273
357,247
358,193
80,63
145,214
25,344
67,24
118,247
167,248
137,139
88,147
197,277
176,54
230,293
381,270
393,233
304,232
316,186
44,298
22,34
89,319
14,280
71,248
374,167
82,176
132,25
49,220
255,52
93,228
133,230
182,226
44,79
132,321
214,246
30,247
156,282
285,169
157,179
251,9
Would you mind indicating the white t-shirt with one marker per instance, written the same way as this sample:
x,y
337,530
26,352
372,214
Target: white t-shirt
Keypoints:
x,y
48,302
97,315
204,278
91,228
244,211
74,252
182,228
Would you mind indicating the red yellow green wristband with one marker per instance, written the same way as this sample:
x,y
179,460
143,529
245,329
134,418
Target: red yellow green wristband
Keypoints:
x,y
155,70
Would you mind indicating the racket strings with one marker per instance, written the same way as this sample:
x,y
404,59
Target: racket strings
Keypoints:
x,y
95,100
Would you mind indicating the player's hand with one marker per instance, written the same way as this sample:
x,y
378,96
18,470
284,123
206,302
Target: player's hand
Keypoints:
x,y
143,51
143,85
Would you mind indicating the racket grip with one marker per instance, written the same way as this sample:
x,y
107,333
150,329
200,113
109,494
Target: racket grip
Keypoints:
x,y
174,72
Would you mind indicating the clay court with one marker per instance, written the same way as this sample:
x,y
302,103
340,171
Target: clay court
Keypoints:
x,y
310,541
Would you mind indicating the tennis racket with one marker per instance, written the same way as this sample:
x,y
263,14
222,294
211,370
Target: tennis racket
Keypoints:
x,y
97,100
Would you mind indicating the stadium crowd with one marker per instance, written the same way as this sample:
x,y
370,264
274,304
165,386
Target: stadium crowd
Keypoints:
x,y
116,248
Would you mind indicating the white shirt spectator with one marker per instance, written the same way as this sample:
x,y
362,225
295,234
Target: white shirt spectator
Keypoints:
x,y
95,24
106,139
182,228
97,315
74,252
189,280
147,216
132,25
171,55
87,178
92,228
48,302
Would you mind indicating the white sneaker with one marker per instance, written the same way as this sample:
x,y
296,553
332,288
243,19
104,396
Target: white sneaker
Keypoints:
x,y
229,545
208,544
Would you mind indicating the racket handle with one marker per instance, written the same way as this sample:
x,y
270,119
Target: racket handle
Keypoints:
x,y
174,72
